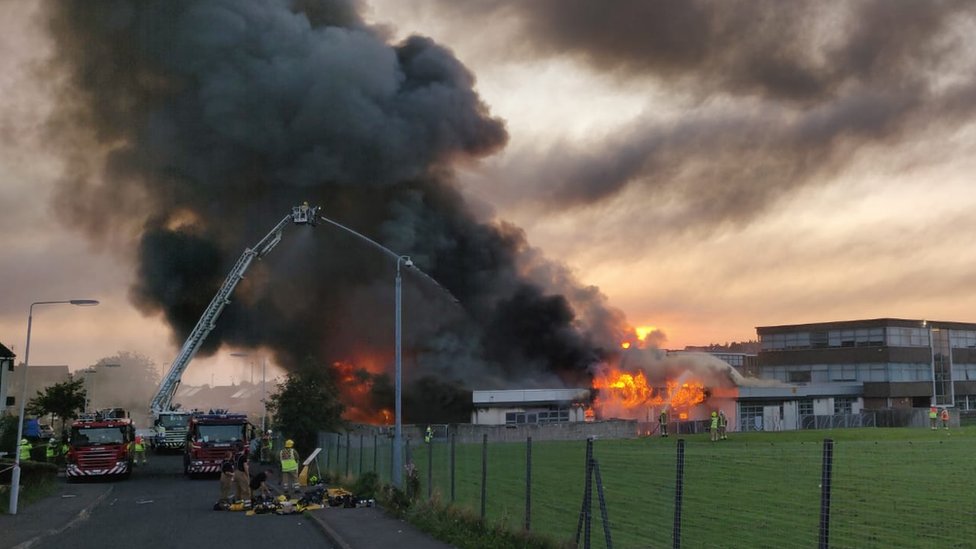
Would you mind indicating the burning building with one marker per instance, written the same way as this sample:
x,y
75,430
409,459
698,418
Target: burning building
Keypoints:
x,y
646,382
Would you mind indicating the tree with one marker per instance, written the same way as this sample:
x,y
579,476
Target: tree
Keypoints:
x,y
64,400
306,403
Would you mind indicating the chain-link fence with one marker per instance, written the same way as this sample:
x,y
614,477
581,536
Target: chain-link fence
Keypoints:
x,y
869,489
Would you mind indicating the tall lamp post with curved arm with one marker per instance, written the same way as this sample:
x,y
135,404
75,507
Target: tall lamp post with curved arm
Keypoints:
x,y
15,473
398,429
397,476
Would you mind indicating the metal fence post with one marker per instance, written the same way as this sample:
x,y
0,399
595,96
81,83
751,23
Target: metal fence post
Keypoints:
x,y
528,484
585,514
430,470
328,452
484,474
603,505
348,445
453,463
679,483
376,449
360,454
825,476
338,446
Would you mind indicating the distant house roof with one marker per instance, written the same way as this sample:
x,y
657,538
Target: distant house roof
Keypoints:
x,y
5,352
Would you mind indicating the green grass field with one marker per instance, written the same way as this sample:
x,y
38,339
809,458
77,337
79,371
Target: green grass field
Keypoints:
x,y
891,488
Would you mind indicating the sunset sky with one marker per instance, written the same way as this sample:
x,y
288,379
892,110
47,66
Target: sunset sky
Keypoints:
x,y
711,169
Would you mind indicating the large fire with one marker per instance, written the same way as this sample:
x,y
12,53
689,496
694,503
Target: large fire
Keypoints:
x,y
629,395
355,385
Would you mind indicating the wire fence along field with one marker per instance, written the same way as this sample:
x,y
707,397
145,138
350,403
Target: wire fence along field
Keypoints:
x,y
851,488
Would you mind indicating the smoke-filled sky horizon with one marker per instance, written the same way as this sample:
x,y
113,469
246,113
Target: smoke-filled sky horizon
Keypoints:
x,y
708,167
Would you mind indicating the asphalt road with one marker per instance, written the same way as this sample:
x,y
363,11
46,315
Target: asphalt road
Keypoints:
x,y
159,508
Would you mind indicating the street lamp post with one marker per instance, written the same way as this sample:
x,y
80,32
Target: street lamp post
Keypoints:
x,y
15,473
398,427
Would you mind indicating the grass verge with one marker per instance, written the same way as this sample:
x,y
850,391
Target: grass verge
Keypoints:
x,y
462,529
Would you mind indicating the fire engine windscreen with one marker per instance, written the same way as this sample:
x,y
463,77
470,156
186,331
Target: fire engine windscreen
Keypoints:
x,y
93,436
171,420
220,433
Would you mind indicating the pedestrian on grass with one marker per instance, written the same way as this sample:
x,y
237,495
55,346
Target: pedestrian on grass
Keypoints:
x,y
713,427
226,476
662,422
945,418
933,416
722,424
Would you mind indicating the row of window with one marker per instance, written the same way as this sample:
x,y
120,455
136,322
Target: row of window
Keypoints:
x,y
823,373
865,337
551,416
966,402
751,413
831,373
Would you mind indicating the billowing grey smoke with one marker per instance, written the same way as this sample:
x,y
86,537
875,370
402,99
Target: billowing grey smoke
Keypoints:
x,y
767,96
218,116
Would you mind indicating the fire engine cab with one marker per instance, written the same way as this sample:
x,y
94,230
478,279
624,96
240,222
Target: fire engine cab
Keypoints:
x,y
100,445
211,436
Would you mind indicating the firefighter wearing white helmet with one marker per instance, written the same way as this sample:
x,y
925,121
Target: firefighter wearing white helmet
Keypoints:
x,y
289,467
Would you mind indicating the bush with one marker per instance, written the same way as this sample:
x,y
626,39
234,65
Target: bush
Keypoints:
x,y
31,472
394,500
37,480
366,485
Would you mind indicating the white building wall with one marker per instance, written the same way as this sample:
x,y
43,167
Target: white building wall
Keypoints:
x,y
791,418
823,406
771,419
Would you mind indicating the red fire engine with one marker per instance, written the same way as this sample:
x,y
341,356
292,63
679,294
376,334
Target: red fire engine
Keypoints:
x,y
209,439
100,445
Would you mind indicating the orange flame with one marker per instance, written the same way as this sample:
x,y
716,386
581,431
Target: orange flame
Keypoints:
x,y
631,395
355,388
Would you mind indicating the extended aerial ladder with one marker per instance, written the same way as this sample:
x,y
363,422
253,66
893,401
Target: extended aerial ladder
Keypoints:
x,y
163,400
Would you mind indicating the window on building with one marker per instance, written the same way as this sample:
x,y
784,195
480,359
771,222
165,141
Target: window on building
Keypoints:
x,y
554,415
805,407
750,416
799,376
874,372
818,339
962,339
843,372
843,405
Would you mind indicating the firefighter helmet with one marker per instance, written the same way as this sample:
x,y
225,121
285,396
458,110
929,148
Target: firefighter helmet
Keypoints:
x,y
24,441
289,443
714,414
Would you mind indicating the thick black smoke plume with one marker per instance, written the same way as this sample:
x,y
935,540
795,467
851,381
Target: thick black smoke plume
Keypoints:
x,y
767,97
214,118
